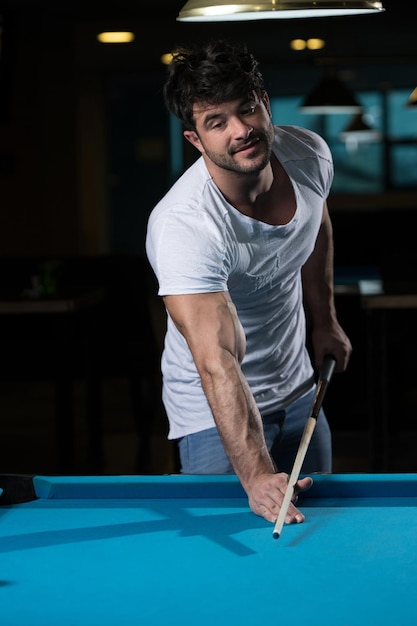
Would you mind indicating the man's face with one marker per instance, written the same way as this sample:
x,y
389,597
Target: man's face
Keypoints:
x,y
236,135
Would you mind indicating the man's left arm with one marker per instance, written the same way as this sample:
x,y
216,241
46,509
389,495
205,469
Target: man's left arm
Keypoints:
x,y
327,336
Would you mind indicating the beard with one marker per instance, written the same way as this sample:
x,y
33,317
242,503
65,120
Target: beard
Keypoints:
x,y
246,164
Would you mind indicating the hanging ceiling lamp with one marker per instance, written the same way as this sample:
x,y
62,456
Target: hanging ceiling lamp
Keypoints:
x,y
358,131
412,99
222,10
330,96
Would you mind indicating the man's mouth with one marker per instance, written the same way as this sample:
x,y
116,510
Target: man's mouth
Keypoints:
x,y
247,146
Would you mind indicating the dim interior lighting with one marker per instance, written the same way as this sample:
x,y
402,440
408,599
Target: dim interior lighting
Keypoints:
x,y
166,58
331,95
313,43
412,99
221,11
298,44
114,36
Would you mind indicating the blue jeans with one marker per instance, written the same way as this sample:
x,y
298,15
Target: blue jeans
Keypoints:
x,y
203,452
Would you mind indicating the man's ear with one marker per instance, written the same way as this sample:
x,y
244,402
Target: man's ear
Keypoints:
x,y
265,100
194,140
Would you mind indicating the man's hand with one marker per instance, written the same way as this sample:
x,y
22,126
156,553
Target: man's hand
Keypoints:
x,y
267,493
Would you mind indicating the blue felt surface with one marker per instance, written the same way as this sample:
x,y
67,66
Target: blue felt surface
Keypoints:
x,y
191,561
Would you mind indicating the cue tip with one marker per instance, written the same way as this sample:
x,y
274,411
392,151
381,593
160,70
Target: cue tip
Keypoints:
x,y
275,534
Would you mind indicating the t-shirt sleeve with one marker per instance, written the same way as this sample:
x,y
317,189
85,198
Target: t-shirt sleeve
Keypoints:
x,y
186,250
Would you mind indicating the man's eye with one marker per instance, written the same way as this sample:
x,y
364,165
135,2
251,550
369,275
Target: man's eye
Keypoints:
x,y
250,110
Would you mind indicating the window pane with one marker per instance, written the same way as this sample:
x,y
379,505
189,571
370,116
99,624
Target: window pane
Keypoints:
x,y
404,165
358,164
401,121
358,167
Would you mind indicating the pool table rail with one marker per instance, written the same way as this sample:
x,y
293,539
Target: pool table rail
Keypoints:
x,y
24,488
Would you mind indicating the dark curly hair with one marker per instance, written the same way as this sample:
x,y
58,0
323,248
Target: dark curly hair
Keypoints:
x,y
217,72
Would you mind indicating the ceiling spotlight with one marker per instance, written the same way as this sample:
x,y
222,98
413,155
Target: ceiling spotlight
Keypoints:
x,y
314,43
114,36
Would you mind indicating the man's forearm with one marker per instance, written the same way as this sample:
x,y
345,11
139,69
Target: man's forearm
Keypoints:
x,y
238,421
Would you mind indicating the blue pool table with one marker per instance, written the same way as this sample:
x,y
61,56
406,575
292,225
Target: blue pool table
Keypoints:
x,y
187,551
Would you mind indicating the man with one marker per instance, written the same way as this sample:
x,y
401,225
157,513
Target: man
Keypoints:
x,y
240,244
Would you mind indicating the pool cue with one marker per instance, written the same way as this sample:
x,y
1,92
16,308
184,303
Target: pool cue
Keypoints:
x,y
324,378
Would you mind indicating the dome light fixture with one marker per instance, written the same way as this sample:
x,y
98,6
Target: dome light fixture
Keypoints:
x,y
241,10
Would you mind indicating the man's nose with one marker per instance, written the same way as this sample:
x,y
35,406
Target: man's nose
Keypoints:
x,y
241,129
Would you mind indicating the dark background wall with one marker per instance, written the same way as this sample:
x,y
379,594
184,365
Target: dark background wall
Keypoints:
x,y
66,184
79,175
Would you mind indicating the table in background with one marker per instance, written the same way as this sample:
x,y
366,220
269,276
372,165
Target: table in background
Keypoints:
x,y
186,550
60,313
377,299
377,308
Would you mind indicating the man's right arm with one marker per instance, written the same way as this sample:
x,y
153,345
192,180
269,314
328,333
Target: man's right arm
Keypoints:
x,y
213,332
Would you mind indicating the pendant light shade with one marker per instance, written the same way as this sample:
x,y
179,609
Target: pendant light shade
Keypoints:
x,y
412,99
224,10
330,96
359,131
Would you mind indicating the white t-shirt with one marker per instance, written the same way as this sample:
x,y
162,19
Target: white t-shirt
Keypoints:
x,y
197,243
